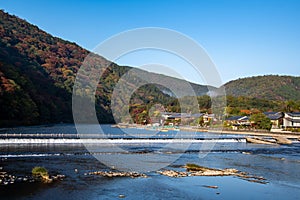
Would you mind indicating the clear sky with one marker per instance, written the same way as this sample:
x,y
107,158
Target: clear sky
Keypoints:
x,y
243,37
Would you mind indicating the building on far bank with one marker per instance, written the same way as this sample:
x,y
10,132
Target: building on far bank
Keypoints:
x,y
184,118
238,122
276,119
291,120
187,118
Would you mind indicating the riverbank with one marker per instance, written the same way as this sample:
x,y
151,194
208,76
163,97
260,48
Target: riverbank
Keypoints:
x,y
273,132
254,133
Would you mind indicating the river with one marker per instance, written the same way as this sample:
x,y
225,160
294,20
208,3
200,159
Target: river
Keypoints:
x,y
280,165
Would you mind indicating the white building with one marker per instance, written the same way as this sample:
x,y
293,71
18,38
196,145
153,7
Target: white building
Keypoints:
x,y
291,120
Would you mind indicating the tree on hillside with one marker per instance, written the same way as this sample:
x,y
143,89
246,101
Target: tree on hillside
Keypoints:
x,y
261,121
292,106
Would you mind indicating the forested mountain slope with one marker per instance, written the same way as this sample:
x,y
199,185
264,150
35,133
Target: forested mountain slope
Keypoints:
x,y
271,87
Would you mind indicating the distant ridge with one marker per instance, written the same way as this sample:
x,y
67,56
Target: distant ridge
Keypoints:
x,y
270,87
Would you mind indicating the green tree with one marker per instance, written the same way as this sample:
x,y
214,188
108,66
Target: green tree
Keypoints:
x,y
261,121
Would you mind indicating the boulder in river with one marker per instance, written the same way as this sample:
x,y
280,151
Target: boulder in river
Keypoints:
x,y
282,140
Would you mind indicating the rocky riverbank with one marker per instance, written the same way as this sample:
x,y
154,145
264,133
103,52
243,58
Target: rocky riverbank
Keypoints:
x,y
118,174
9,179
191,170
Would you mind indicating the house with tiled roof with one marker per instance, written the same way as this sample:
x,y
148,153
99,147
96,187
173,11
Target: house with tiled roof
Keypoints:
x,y
237,122
276,118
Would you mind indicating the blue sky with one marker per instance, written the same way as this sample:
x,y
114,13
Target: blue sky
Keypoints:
x,y
243,38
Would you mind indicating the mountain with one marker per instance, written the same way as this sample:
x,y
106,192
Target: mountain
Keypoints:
x,y
37,73
270,87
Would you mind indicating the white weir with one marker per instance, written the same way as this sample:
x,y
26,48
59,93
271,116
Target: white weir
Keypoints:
x,y
110,141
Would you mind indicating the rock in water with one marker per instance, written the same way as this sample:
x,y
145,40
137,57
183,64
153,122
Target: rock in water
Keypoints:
x,y
211,186
282,140
259,141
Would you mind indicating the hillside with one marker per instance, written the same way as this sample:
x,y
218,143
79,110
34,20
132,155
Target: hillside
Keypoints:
x,y
37,73
270,87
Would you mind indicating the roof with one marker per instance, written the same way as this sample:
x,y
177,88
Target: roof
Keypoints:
x,y
179,115
238,118
197,115
233,118
274,117
245,118
294,114
167,113
273,113
184,115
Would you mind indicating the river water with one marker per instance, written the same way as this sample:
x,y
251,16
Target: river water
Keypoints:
x,y
280,165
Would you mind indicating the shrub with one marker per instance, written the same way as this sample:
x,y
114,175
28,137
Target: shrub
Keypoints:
x,y
195,167
40,171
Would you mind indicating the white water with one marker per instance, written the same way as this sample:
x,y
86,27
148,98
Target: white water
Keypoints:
x,y
111,141
28,155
